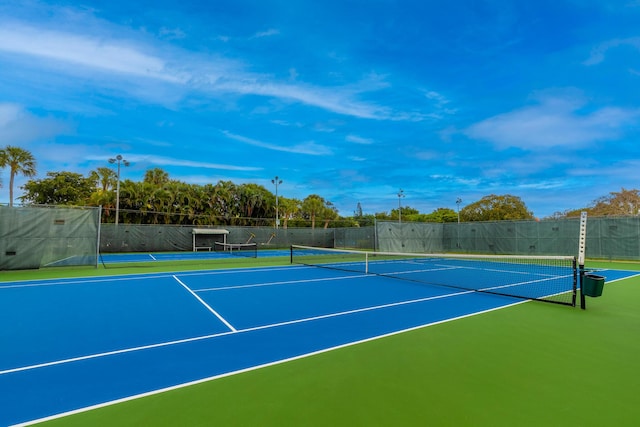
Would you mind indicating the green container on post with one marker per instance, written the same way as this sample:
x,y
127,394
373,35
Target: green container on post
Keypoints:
x,y
592,285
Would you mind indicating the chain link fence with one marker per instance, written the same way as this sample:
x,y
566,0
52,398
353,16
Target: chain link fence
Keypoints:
x,y
607,237
33,237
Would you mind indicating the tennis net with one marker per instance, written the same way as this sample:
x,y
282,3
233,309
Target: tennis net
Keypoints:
x,y
544,278
240,249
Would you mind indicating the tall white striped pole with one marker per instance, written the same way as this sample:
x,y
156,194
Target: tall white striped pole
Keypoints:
x,y
582,246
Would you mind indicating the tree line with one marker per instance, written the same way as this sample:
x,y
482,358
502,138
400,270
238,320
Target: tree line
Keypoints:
x,y
158,199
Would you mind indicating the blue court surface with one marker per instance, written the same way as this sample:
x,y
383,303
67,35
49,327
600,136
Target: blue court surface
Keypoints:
x,y
73,344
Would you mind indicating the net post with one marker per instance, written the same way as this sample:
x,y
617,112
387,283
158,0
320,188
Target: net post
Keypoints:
x,y
575,282
375,234
366,263
581,255
98,236
583,302
291,254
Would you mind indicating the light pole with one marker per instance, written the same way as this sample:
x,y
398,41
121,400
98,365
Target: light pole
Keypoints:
x,y
277,181
458,201
119,160
400,196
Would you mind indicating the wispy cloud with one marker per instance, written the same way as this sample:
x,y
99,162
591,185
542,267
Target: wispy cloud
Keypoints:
x,y
172,33
556,121
440,102
465,182
310,148
171,161
334,99
18,126
599,52
9,113
359,140
267,33
187,70
93,52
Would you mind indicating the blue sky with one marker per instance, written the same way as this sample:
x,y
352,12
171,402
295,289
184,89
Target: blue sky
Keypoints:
x,y
349,99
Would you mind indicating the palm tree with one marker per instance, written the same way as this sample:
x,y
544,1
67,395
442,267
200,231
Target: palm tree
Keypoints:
x,y
226,201
18,160
132,202
189,203
329,213
289,208
253,201
312,206
156,176
105,178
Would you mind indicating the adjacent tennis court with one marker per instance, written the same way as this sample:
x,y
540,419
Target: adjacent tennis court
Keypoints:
x,y
115,259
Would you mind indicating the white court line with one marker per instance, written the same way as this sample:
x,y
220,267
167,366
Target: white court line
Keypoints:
x,y
81,281
358,310
139,276
487,289
495,270
253,368
284,282
152,257
84,280
245,270
208,307
111,353
205,337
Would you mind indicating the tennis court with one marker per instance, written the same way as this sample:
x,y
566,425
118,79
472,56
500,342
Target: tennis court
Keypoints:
x,y
80,343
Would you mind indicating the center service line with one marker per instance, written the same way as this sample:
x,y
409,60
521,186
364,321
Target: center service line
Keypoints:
x,y
215,313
